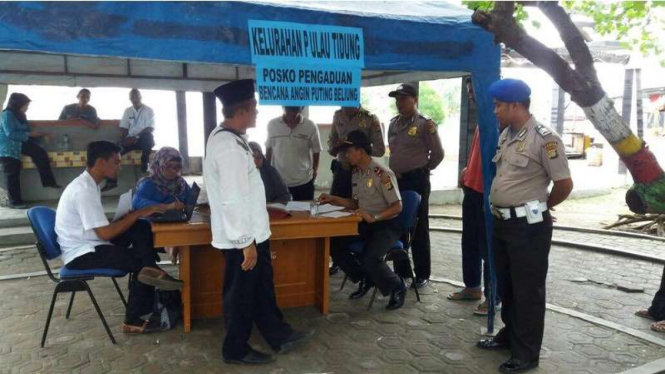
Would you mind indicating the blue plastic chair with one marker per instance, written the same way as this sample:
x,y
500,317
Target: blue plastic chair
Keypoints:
x,y
408,220
42,221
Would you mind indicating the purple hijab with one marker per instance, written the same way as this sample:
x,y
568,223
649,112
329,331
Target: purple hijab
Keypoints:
x,y
161,160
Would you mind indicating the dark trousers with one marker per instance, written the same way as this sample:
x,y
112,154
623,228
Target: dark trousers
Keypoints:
x,y
303,192
12,170
144,143
378,238
521,257
418,181
120,256
341,183
249,298
657,309
474,242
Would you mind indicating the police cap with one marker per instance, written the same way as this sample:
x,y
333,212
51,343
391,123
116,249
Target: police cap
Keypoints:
x,y
404,89
358,139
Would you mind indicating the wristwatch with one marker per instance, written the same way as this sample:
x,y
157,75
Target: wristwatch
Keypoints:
x,y
376,217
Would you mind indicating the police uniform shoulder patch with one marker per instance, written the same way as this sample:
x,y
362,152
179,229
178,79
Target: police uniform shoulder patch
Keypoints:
x,y
551,149
431,127
543,131
375,121
387,183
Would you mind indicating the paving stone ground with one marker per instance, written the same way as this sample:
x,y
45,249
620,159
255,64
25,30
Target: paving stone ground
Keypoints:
x,y
435,335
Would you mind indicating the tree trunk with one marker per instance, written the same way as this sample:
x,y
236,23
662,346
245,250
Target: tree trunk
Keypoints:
x,y
648,192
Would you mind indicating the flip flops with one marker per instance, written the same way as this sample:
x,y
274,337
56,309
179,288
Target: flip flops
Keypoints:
x,y
483,309
465,295
658,326
644,313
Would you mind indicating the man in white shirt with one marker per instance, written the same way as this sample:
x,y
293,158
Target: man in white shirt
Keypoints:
x,y
136,127
89,241
293,148
240,228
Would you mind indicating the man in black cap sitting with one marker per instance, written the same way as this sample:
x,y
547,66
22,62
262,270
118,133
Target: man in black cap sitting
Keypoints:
x,y
240,228
376,198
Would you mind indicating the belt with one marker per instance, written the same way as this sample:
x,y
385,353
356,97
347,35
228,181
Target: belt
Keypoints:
x,y
415,173
513,212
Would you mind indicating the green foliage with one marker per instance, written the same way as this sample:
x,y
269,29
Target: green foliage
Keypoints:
x,y
520,14
637,24
430,103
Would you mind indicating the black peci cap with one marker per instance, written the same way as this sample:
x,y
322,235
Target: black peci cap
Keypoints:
x,y
235,92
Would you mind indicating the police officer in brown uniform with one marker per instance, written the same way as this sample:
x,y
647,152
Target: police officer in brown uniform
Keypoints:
x,y
415,150
345,121
528,158
376,198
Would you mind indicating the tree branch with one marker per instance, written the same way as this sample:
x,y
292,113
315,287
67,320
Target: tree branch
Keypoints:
x,y
502,24
572,38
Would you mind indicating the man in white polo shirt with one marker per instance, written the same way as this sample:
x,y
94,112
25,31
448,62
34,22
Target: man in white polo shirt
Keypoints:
x,y
89,241
293,148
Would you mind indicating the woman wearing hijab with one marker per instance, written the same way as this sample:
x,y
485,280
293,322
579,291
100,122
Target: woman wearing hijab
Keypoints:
x,y
164,185
17,139
276,191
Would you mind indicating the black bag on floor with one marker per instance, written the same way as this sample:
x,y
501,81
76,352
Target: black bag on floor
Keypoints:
x,y
167,309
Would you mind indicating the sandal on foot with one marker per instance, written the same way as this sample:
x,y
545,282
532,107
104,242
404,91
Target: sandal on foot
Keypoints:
x,y
483,309
644,313
146,327
658,326
465,295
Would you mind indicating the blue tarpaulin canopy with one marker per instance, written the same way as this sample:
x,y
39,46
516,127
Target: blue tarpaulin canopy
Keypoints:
x,y
399,37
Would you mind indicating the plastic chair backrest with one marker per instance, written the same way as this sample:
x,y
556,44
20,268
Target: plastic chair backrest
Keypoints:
x,y
42,220
410,205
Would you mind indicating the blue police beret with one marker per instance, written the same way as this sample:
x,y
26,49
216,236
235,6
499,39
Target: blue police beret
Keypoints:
x,y
510,90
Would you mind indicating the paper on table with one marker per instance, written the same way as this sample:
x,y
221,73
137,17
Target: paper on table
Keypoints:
x,y
124,205
335,214
325,208
298,206
278,206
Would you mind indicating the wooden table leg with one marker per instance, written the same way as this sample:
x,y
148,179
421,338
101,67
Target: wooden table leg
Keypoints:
x,y
186,292
325,285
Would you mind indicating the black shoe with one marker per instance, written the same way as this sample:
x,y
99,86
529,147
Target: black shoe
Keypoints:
x,y
420,283
296,339
20,205
109,186
252,358
397,297
515,365
363,287
333,270
491,344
